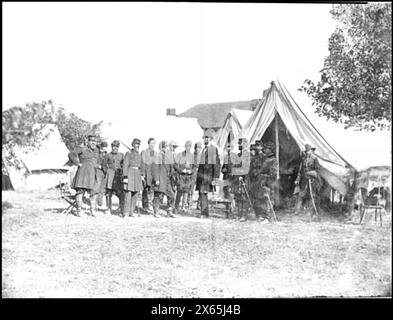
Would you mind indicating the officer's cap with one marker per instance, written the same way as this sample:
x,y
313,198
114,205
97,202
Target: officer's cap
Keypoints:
x,y
115,143
136,141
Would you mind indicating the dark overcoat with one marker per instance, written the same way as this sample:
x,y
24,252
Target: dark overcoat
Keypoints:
x,y
99,184
86,174
132,170
184,166
148,158
113,166
162,171
208,169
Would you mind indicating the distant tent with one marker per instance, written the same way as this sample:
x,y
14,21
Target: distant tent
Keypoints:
x,y
6,183
43,167
232,127
279,119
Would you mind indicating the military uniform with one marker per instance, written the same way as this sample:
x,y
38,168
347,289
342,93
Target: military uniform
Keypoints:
x,y
308,174
162,171
148,158
132,180
87,160
208,169
184,166
240,182
264,177
197,156
99,185
228,179
113,165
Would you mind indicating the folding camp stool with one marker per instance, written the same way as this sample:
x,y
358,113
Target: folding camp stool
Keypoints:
x,y
70,198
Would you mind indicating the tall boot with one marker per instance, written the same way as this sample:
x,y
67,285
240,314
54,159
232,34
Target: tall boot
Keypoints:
x,y
109,202
243,212
79,203
298,206
177,202
185,201
93,205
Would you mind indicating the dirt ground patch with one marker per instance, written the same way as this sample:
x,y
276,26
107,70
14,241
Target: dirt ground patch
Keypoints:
x,y
46,254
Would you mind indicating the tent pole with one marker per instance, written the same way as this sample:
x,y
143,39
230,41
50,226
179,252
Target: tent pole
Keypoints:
x,y
278,159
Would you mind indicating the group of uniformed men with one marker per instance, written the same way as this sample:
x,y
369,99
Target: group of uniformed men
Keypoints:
x,y
250,175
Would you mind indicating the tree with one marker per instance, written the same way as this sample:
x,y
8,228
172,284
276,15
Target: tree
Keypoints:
x,y
355,84
22,128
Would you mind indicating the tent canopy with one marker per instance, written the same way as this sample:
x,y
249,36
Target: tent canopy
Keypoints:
x,y
42,167
233,124
279,111
51,155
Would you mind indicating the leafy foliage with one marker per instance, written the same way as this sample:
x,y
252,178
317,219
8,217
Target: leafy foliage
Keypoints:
x,y
22,128
355,83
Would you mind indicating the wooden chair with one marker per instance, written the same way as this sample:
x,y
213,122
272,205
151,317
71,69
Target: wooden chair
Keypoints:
x,y
377,206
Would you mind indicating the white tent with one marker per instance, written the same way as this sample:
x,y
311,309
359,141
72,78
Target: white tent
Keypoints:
x,y
279,117
166,128
232,127
43,167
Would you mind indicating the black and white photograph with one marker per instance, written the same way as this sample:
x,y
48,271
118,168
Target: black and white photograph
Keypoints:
x,y
196,150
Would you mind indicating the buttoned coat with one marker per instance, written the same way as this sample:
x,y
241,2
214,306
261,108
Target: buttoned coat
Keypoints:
x,y
162,171
148,158
113,166
86,172
132,170
208,169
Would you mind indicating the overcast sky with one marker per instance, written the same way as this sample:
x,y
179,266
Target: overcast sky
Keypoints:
x,y
122,61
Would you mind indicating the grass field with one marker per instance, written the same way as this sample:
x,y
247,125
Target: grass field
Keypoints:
x,y
46,254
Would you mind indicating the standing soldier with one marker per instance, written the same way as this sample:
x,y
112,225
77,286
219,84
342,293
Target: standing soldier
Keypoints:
x,y
99,186
197,156
255,178
184,165
208,172
113,180
87,160
309,181
265,182
132,178
228,177
162,171
148,157
240,170
172,146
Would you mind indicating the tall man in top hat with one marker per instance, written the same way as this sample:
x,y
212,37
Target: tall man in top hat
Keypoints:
x,y
149,156
87,160
308,180
132,178
113,179
208,172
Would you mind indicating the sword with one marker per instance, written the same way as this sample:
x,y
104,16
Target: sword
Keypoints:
x,y
312,197
248,197
271,206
